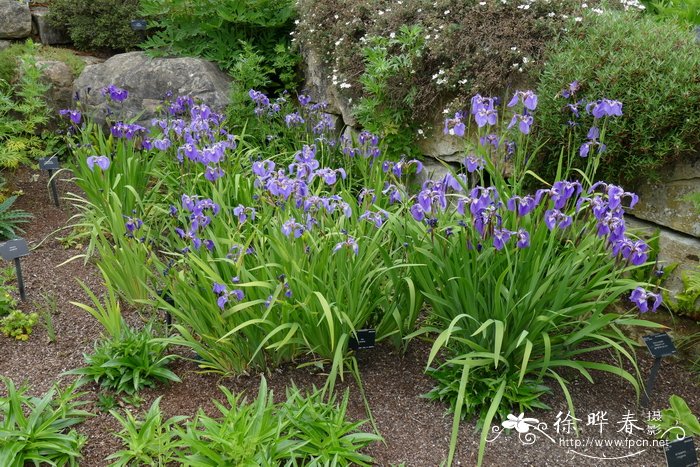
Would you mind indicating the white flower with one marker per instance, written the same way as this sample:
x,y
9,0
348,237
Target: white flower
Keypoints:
x,y
520,423
345,85
482,3
578,19
447,12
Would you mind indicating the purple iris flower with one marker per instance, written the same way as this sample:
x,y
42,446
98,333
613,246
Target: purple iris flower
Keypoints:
x,y
528,98
243,212
393,192
162,144
525,120
485,116
349,243
74,115
454,126
641,298
491,139
329,175
293,120
522,204
570,90
500,238
292,227
616,195
418,212
605,108
377,218
102,162
304,100
213,173
523,238
555,218
263,169
219,288
132,224
115,93
473,163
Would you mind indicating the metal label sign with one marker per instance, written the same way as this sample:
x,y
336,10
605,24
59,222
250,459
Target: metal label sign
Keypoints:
x,y
681,453
660,345
365,339
138,24
13,249
49,163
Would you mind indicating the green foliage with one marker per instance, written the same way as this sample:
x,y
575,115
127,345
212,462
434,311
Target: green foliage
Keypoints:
x,y
18,324
677,421
684,11
9,58
24,115
97,24
9,219
238,35
320,431
149,441
109,314
128,362
8,303
306,429
521,397
686,303
38,430
387,60
651,67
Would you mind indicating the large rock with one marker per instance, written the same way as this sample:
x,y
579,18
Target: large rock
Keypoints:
x,y
680,249
15,19
60,77
665,202
147,80
319,83
48,34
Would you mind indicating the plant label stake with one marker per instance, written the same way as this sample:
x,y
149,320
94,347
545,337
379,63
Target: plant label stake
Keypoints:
x,y
14,250
50,164
681,453
365,339
660,345
170,301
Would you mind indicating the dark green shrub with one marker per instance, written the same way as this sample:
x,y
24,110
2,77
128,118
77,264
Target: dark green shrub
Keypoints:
x,y
97,24
652,67
226,32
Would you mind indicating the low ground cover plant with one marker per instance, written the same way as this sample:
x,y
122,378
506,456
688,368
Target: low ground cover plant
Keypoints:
x,y
39,430
273,257
128,362
306,429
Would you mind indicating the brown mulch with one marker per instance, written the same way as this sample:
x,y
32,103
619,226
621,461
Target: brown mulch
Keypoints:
x,y
416,431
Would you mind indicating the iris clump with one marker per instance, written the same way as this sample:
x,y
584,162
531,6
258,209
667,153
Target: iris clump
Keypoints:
x,y
304,248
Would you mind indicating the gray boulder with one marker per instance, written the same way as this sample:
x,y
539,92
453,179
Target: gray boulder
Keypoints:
x,y
147,80
15,19
60,77
48,34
